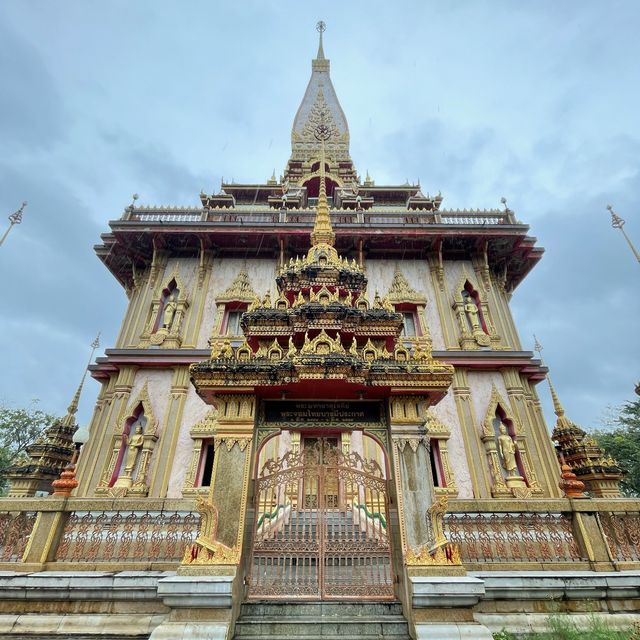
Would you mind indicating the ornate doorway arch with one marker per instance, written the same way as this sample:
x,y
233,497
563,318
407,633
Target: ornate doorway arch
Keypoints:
x,y
321,526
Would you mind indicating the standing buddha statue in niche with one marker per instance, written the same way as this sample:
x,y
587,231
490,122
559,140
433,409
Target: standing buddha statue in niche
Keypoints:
x,y
134,445
471,309
169,312
508,450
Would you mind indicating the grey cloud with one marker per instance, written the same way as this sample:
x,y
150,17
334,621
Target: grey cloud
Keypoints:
x,y
32,112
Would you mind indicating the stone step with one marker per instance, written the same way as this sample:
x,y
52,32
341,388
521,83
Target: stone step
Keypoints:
x,y
337,628
404,636
321,609
325,620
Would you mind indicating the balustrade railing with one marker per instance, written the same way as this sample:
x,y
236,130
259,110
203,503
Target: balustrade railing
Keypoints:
x,y
15,529
372,217
489,533
513,537
622,532
132,536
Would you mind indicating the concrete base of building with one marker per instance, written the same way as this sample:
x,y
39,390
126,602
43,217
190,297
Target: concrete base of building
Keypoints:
x,y
164,606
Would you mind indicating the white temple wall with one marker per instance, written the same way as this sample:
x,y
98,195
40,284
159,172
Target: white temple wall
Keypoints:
x,y
262,274
445,411
481,385
380,276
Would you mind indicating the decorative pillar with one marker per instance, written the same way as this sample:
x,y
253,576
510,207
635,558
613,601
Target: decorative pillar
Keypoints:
x,y
223,512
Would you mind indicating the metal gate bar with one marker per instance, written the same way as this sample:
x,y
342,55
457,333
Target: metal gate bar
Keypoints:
x,y
321,528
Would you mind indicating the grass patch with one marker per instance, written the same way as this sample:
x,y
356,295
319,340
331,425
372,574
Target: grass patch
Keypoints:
x,y
562,627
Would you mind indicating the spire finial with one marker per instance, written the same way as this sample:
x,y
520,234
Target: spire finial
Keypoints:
x,y
618,223
537,346
321,27
69,419
557,407
322,230
14,218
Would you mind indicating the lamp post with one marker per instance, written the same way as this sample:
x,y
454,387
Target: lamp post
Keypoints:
x,y
618,223
14,218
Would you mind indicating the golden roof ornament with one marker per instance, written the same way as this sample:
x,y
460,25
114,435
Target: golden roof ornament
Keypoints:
x,y
400,290
322,231
240,290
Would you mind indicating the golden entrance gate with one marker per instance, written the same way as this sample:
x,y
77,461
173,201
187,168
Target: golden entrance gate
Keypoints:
x,y
321,528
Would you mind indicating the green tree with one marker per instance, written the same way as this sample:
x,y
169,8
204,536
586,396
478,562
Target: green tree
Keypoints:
x,y
18,429
622,441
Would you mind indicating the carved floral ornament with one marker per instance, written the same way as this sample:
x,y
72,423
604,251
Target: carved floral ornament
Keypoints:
x,y
439,552
205,427
401,292
206,550
240,290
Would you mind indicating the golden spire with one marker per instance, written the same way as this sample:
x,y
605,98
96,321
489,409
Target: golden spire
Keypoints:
x,y
322,230
558,409
69,419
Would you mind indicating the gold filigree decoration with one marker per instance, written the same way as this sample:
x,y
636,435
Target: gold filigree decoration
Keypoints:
x,y
400,291
362,302
322,345
231,441
244,352
240,290
275,351
205,427
441,552
206,550
446,555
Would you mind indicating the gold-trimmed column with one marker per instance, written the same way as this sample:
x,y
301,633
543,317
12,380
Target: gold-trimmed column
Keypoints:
x,y
447,321
541,451
223,512
411,464
95,457
199,298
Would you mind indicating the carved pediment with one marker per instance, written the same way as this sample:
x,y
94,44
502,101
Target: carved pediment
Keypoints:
x,y
400,291
240,290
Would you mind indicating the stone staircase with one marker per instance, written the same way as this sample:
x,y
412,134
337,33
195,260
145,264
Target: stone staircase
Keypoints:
x,y
321,621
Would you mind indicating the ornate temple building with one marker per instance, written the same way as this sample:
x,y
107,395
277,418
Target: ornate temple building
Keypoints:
x,y
318,419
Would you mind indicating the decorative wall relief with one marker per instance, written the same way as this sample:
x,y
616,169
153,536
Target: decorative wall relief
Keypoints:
x,y
166,315
132,445
472,311
506,447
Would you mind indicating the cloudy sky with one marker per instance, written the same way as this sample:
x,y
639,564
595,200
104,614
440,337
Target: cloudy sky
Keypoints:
x,y
535,101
